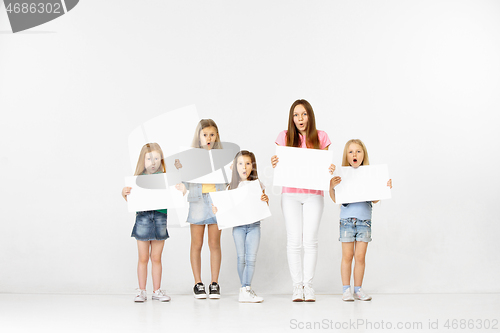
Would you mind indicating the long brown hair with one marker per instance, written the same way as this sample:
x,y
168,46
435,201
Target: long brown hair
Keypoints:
x,y
235,179
204,123
147,149
345,162
293,134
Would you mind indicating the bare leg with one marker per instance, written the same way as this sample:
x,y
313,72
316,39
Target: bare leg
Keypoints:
x,y
142,265
359,266
156,251
215,252
345,266
197,232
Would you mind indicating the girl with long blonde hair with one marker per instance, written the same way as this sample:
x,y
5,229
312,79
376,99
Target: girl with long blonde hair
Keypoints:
x,y
355,226
150,228
200,215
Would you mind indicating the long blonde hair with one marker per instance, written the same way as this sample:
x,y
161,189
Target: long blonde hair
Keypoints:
x,y
147,149
345,162
204,123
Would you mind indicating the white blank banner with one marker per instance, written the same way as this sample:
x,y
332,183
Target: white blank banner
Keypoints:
x,y
240,206
364,183
198,165
303,168
215,177
157,195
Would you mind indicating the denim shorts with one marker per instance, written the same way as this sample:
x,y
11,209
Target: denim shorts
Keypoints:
x,y
200,212
353,229
150,225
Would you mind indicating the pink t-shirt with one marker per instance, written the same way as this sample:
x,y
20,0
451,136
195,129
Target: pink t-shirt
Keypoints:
x,y
324,142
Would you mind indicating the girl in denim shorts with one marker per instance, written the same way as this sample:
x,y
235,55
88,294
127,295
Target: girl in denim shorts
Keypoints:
x,y
201,215
247,236
150,227
355,226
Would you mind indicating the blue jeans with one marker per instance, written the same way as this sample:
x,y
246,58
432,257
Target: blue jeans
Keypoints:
x,y
247,239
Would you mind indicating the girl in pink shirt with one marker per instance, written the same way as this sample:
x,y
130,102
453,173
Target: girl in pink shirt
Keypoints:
x,y
302,208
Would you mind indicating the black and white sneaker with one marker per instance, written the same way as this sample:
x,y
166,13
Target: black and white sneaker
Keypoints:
x,y
214,290
199,291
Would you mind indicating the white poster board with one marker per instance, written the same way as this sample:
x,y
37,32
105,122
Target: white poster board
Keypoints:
x,y
240,206
303,168
151,192
179,213
364,183
198,165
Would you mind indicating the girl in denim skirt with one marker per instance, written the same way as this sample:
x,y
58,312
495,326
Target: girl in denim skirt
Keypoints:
x,y
246,237
355,226
150,227
201,215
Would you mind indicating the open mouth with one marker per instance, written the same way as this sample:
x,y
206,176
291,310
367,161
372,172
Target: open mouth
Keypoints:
x,y
355,160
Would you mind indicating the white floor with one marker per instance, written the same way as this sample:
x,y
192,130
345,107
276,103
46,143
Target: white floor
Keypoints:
x,y
118,313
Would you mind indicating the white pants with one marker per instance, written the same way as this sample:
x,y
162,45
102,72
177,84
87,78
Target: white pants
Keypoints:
x,y
302,214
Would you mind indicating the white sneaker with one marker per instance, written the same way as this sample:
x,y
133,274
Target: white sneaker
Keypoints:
x,y
298,294
161,296
243,296
309,294
347,296
362,296
247,295
141,296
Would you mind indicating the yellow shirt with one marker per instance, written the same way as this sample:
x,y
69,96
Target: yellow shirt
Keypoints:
x,y
207,188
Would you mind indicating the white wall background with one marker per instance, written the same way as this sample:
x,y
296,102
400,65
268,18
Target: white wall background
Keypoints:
x,y
418,81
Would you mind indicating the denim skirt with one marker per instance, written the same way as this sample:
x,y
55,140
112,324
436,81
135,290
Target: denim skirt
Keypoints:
x,y
150,225
200,212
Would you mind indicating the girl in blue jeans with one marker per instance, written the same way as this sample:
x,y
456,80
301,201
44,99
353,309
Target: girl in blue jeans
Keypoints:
x,y
355,226
246,237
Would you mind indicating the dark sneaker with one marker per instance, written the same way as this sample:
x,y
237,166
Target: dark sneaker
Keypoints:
x,y
214,290
199,291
